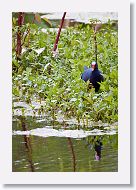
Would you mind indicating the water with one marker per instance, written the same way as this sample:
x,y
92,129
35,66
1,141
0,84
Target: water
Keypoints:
x,y
83,17
97,152
74,18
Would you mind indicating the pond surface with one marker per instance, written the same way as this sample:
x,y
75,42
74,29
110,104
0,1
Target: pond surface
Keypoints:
x,y
74,18
83,17
62,149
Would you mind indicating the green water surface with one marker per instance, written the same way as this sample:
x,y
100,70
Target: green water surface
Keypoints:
x,y
64,154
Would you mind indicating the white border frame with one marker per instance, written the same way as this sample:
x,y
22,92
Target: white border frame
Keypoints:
x,y
123,174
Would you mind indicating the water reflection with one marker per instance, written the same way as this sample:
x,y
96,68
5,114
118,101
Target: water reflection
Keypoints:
x,y
95,142
72,153
28,145
98,148
63,154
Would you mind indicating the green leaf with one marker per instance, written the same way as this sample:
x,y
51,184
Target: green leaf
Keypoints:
x,y
73,99
15,63
80,67
14,20
37,17
46,21
28,69
15,92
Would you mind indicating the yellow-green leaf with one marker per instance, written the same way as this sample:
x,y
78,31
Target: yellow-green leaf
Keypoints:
x,y
14,20
47,21
37,17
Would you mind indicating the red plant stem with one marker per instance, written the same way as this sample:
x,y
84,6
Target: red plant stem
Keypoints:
x,y
58,35
20,23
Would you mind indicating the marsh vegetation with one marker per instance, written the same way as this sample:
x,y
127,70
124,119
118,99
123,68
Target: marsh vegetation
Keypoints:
x,y
50,87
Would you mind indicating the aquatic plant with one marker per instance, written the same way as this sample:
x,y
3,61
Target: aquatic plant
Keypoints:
x,y
55,82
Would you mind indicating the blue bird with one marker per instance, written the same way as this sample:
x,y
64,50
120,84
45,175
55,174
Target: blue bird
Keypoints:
x,y
86,74
94,75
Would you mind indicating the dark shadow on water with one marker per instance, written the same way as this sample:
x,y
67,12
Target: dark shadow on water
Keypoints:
x,y
95,142
98,148
28,145
73,153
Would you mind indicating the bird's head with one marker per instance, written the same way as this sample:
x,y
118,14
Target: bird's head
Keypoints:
x,y
94,65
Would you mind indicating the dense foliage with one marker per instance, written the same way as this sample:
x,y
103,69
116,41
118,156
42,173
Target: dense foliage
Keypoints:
x,y
56,82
